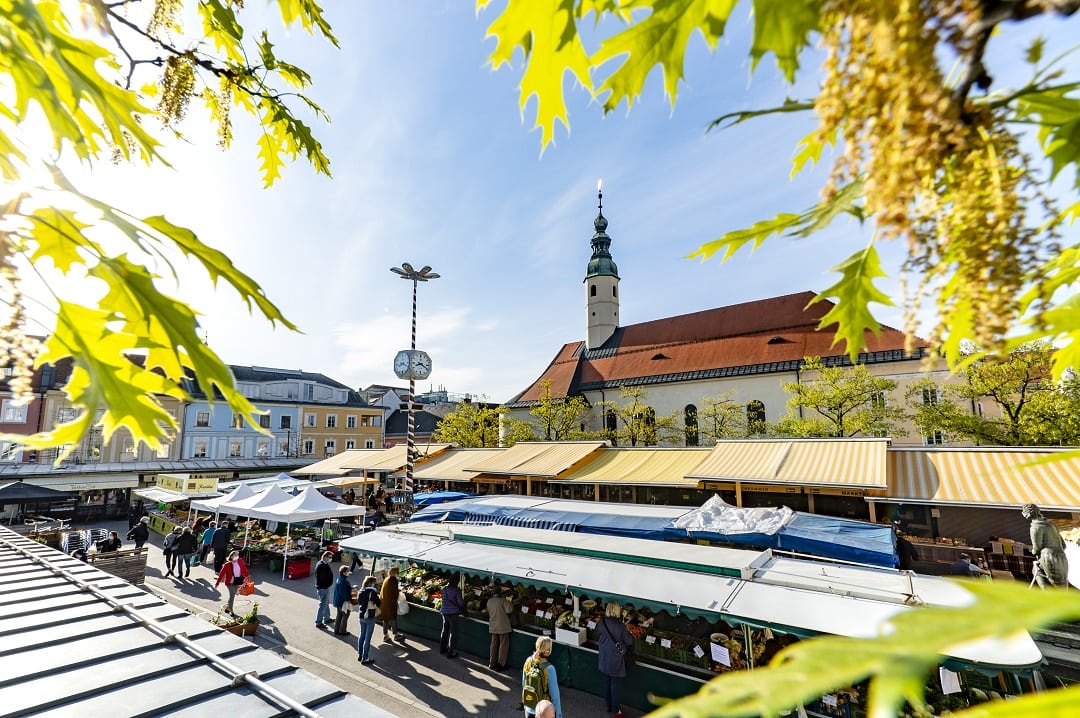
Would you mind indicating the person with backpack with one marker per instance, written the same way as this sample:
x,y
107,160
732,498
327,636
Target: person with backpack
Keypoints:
x,y
367,606
538,680
614,642
168,547
140,532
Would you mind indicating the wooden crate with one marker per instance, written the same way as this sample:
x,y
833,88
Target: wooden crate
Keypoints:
x,y
128,564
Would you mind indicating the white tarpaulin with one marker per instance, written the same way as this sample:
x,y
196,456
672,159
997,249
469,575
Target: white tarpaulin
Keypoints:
x,y
242,491
718,516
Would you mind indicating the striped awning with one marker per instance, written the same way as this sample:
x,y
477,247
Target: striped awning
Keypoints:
x,y
985,477
637,467
537,458
858,463
450,465
335,465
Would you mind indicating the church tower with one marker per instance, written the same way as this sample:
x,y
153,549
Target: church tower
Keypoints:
x,y
601,285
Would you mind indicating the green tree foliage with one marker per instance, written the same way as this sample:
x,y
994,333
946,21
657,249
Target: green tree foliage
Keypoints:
x,y
835,401
916,152
636,422
1021,404
74,67
897,663
556,418
721,417
473,424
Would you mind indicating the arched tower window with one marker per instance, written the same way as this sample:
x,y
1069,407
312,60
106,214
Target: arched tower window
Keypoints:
x,y
614,290
592,290
690,425
755,417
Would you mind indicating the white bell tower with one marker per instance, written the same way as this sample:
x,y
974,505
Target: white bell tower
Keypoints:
x,y
601,285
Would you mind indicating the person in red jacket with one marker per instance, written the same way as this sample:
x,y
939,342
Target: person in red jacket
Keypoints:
x,y
233,574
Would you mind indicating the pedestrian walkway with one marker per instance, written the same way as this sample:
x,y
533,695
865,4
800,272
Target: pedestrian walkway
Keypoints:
x,y
407,679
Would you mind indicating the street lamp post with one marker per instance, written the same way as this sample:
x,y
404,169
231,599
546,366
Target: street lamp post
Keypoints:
x,y
412,365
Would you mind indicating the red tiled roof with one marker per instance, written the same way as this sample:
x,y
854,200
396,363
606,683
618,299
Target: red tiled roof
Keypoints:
x,y
781,329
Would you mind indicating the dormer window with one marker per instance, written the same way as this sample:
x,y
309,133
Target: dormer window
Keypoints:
x,y
661,355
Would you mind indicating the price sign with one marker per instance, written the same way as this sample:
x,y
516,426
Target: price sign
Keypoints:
x,y
829,700
547,615
698,652
525,609
665,643
569,602
550,600
650,639
591,624
720,654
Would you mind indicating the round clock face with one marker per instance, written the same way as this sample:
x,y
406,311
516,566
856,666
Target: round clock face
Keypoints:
x,y
401,364
421,365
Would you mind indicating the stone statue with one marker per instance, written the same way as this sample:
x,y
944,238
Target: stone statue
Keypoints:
x,y
1051,565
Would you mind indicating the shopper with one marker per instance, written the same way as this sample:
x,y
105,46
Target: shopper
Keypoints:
x,y
140,532
342,601
220,544
168,548
207,538
184,546
453,608
539,682
233,573
499,608
324,581
614,642
113,543
367,606
391,589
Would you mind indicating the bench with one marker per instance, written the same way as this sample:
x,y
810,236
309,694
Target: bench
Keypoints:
x,y
127,563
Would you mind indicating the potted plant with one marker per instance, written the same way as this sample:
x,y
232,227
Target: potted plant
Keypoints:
x,y
242,626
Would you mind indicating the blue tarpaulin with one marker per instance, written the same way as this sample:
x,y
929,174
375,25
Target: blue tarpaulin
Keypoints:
x,y
437,497
609,519
825,536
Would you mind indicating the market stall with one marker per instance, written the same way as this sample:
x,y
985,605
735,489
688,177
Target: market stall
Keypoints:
x,y
695,610
172,497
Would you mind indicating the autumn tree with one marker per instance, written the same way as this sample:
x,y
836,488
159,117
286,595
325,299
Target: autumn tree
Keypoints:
x,y
1008,400
471,424
111,80
838,401
925,146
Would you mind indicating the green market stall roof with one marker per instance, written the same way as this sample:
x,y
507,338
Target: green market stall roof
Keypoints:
x,y
755,587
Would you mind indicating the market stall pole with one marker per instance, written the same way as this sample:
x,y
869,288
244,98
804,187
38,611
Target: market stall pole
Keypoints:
x,y
412,365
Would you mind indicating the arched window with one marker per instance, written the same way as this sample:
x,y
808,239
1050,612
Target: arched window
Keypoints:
x,y
690,425
755,417
592,290
611,425
614,290
648,423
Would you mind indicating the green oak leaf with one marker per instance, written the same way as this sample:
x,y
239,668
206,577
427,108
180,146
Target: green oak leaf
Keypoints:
x,y
546,31
783,28
854,293
659,39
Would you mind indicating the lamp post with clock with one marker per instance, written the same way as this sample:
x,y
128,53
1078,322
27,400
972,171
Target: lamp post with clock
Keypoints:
x,y
412,364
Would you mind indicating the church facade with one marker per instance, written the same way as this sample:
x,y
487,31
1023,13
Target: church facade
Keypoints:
x,y
750,349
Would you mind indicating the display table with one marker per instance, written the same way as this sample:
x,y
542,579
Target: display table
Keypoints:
x,y
576,666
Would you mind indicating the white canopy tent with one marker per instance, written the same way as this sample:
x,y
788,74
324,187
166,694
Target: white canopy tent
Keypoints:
x,y
242,491
276,504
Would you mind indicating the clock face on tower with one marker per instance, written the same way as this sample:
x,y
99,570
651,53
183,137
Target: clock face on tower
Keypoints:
x,y
402,364
421,365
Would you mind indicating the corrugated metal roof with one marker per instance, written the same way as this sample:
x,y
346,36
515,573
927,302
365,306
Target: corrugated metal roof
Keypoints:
x,y
537,458
79,641
858,463
450,465
985,477
626,466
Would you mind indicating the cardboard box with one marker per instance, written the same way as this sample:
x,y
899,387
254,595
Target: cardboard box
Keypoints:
x,y
572,636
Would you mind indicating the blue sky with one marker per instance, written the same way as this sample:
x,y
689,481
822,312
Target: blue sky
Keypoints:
x,y
434,164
